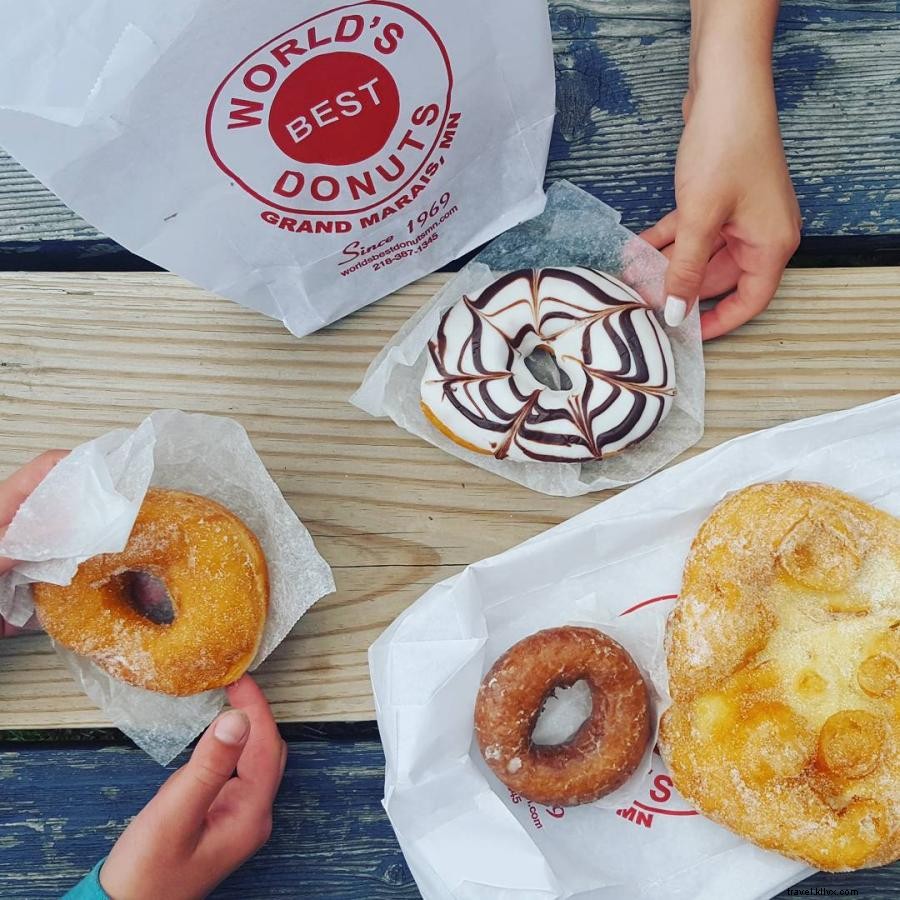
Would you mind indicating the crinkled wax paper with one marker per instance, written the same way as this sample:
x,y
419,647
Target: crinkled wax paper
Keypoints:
x,y
618,567
87,505
574,229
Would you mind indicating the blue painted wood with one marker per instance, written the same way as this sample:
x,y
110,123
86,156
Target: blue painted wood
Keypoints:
x,y
621,73
61,809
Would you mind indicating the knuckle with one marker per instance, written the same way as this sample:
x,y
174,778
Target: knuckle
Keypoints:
x,y
208,775
786,242
688,270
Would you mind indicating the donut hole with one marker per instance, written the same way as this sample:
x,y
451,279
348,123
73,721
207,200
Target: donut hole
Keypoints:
x,y
562,714
148,596
542,364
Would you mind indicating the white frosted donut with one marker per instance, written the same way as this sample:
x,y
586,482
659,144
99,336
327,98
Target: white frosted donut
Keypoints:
x,y
478,390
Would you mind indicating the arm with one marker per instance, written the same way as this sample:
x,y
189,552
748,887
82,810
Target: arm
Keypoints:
x,y
736,222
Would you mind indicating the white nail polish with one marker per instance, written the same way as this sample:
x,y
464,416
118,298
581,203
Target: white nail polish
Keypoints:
x,y
675,311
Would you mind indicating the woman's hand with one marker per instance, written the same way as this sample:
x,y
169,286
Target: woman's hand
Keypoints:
x,y
736,222
13,493
211,815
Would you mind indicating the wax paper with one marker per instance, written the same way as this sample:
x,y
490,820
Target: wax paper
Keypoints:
x,y
616,565
87,505
575,229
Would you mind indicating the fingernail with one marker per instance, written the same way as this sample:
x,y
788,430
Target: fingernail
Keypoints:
x,y
675,311
232,727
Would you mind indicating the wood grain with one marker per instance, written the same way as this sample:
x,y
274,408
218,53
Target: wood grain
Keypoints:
x,y
81,354
62,809
621,73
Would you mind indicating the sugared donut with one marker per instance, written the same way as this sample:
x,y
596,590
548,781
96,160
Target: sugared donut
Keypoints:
x,y
784,667
617,381
180,610
601,754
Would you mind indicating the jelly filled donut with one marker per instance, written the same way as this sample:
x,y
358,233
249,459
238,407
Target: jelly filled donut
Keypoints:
x,y
180,610
601,754
615,362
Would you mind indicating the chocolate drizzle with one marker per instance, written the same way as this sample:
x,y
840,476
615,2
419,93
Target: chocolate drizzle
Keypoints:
x,y
602,335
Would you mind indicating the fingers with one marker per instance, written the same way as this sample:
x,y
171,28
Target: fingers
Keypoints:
x,y
260,766
753,294
191,791
7,630
722,274
695,242
15,490
663,232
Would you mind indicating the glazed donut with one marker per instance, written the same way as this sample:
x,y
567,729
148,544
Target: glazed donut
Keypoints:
x,y
617,376
783,654
601,754
179,611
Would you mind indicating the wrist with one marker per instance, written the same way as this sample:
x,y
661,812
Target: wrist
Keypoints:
x,y
731,43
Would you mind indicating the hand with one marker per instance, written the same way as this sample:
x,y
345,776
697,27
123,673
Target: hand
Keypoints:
x,y
205,820
736,222
13,493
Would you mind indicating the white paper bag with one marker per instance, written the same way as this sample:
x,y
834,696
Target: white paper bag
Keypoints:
x,y
87,505
301,158
465,835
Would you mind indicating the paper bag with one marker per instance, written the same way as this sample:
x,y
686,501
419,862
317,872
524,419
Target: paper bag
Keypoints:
x,y
468,838
301,158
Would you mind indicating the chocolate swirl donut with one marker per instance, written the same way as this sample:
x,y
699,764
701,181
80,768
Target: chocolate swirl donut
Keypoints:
x,y
479,391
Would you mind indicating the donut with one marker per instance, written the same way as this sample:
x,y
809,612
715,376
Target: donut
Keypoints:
x,y
605,749
612,360
179,611
783,653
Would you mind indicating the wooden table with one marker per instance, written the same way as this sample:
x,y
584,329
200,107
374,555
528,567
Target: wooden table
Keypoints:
x,y
80,354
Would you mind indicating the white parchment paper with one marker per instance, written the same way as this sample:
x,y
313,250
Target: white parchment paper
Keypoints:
x,y
575,229
619,566
87,505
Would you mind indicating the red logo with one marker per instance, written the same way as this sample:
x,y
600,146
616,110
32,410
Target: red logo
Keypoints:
x,y
662,799
338,115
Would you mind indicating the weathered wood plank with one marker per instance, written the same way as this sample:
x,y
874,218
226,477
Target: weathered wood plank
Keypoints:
x,y
636,18
81,354
620,81
63,808
621,72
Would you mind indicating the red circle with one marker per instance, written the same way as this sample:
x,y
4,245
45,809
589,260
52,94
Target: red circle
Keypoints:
x,y
208,129
335,110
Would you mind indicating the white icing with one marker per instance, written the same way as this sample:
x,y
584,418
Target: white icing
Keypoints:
x,y
601,334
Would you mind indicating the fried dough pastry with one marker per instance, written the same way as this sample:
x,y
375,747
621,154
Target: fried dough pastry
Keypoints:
x,y
179,611
784,669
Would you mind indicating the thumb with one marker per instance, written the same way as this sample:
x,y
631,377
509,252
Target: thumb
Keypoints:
x,y
694,244
196,785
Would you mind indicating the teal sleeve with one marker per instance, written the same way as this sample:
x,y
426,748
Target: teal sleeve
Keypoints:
x,y
89,886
